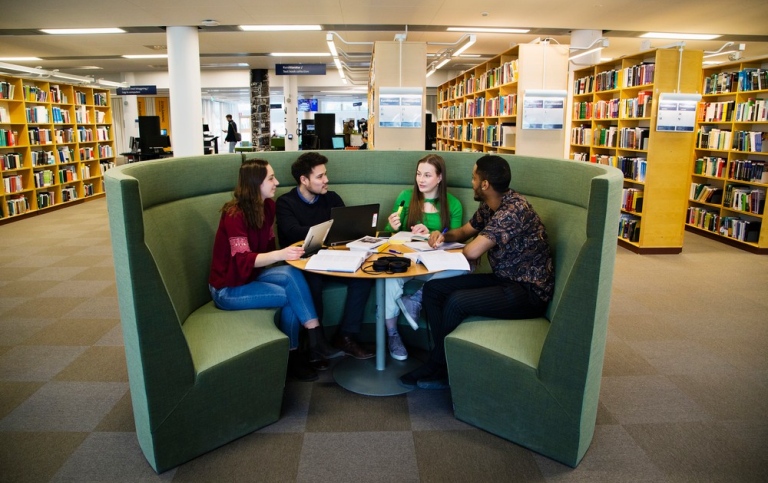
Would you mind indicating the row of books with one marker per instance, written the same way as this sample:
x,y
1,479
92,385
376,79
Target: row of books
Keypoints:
x,y
607,81
7,90
88,189
748,170
710,166
744,198
709,137
606,109
100,99
704,218
67,175
38,136
13,183
65,136
740,229
57,95
753,110
629,227
581,135
747,79
68,194
584,85
632,200
637,107
8,137
4,116
43,178
33,93
46,199
504,74
639,75
42,158
10,161
86,153
60,116
706,193
106,165
721,111
105,151
634,168
17,206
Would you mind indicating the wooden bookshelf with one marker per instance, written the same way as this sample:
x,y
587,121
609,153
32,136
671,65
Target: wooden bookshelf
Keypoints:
x,y
731,156
613,121
61,141
479,109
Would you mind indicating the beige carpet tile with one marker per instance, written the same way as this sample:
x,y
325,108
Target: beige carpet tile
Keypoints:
x,y
14,393
94,308
45,308
52,273
457,456
120,418
65,406
676,356
604,416
293,414
77,332
79,288
652,325
97,364
37,260
105,274
621,360
36,363
732,398
27,288
13,274
113,337
36,456
78,261
648,399
696,451
14,331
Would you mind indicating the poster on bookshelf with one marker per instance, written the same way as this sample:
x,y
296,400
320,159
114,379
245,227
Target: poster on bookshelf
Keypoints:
x,y
544,109
677,112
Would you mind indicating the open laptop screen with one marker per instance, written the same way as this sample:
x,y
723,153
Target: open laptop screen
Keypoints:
x,y
352,222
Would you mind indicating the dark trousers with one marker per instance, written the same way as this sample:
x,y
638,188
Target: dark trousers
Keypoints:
x,y
448,301
358,291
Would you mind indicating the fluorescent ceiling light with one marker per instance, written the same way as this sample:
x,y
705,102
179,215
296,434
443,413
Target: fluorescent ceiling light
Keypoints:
x,y
471,39
109,30
681,36
431,71
442,62
23,68
488,30
146,56
273,28
331,45
18,59
470,55
109,83
300,54
584,52
712,62
71,77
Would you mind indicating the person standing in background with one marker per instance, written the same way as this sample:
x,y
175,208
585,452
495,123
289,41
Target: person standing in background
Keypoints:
x,y
231,131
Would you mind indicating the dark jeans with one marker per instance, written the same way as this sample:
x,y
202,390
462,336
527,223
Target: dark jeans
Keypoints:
x,y
448,301
358,291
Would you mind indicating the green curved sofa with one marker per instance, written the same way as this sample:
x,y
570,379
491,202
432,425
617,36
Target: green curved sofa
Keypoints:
x,y
201,377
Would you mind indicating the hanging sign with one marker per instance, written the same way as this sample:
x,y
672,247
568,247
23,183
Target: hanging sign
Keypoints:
x,y
677,112
543,109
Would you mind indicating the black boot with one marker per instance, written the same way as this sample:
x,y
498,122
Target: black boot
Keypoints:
x,y
319,348
299,368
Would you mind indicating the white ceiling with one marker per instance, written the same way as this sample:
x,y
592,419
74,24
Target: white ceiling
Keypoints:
x,y
740,21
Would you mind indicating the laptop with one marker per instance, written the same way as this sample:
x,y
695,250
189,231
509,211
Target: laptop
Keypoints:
x,y
352,222
315,238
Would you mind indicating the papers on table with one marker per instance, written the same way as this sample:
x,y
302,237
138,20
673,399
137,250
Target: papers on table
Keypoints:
x,y
367,243
337,260
400,237
422,246
438,260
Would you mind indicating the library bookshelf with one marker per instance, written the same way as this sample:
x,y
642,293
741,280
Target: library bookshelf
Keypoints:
x,y
729,175
479,109
56,140
613,121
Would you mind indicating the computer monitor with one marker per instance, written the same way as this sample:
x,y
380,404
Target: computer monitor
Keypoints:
x,y
337,142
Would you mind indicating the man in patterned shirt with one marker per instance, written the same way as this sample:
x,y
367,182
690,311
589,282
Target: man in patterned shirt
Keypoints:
x,y
521,285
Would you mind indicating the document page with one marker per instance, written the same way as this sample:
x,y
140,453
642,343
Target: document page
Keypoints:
x,y
438,260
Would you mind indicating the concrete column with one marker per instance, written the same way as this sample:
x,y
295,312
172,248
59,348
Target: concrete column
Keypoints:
x,y
130,111
185,87
291,92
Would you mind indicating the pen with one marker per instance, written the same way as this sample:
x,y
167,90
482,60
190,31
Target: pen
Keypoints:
x,y
445,230
395,252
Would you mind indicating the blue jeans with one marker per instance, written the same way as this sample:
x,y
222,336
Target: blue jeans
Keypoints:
x,y
232,145
282,286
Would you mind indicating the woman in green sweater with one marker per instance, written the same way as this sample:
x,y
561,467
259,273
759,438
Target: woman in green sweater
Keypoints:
x,y
425,208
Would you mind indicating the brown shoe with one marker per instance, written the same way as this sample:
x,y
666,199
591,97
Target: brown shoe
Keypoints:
x,y
351,347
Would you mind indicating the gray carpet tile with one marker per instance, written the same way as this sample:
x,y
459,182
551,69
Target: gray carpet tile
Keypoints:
x,y
37,456
37,363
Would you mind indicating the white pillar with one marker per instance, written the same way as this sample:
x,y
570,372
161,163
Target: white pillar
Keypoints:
x,y
581,39
185,88
130,111
291,93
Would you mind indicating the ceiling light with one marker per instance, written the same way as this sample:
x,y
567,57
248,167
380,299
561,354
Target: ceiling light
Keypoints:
x,y
108,83
273,28
331,45
486,30
146,56
23,68
722,51
431,71
300,54
18,59
471,39
595,46
77,78
664,35
442,62
108,30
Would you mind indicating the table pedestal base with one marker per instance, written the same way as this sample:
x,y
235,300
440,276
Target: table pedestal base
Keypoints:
x,y
362,377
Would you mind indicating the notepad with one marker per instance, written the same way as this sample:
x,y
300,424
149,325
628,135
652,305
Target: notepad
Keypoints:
x,y
438,260
337,260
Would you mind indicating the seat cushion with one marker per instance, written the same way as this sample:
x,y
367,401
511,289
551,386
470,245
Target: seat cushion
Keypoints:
x,y
520,340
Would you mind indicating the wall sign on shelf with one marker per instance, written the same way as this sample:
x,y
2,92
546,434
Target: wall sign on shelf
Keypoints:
x,y
677,112
544,109
400,106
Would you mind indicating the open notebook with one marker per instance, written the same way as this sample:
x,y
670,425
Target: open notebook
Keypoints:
x,y
337,260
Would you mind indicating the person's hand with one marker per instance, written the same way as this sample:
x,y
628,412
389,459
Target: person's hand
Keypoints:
x,y
291,253
394,221
435,239
419,229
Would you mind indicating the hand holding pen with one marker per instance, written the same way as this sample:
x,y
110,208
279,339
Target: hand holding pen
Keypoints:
x,y
437,237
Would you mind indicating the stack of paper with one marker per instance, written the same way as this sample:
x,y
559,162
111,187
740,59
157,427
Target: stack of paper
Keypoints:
x,y
337,260
438,260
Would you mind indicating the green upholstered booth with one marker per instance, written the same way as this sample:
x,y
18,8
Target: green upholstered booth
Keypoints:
x,y
534,382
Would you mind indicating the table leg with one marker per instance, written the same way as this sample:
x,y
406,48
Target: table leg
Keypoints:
x,y
382,380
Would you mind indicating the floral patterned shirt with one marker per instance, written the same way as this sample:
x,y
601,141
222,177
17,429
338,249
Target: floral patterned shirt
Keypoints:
x,y
521,253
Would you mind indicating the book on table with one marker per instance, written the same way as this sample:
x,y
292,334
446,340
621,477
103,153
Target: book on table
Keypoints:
x,y
438,260
337,260
423,246
366,243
